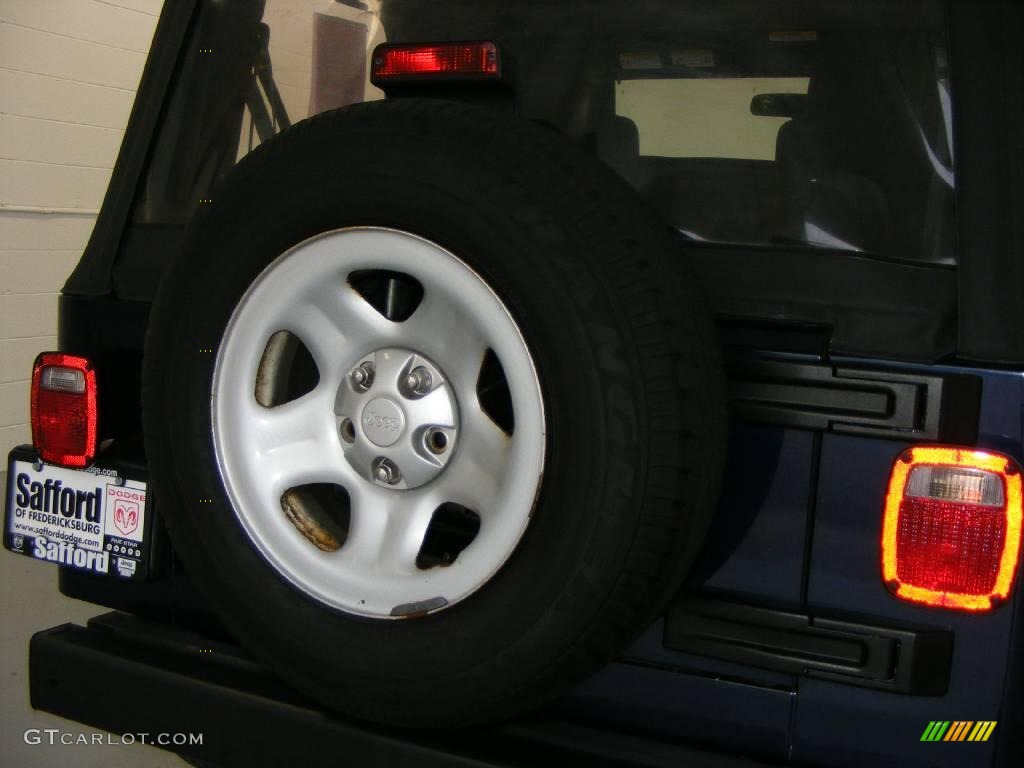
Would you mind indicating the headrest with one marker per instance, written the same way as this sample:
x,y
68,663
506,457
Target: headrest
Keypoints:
x,y
617,137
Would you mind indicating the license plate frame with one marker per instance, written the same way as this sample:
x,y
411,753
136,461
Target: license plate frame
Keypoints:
x,y
97,520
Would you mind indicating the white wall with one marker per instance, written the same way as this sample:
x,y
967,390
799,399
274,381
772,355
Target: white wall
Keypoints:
x,y
68,74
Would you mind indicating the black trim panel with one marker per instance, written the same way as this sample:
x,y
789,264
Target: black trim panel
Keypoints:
x,y
900,660
900,406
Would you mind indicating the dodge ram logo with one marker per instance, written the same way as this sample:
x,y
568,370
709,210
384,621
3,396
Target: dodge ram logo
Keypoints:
x,y
126,516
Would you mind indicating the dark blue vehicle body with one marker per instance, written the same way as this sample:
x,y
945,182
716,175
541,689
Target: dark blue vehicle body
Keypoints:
x,y
799,718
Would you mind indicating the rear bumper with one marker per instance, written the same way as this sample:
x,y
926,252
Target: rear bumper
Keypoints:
x,y
129,676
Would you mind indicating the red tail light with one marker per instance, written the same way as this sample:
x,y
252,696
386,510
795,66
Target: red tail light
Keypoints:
x,y
952,528
64,409
447,61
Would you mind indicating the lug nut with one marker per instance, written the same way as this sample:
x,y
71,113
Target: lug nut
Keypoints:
x,y
386,471
437,441
347,430
418,382
362,376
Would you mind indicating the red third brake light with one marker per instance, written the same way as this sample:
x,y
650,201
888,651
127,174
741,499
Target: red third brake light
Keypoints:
x,y
64,409
440,61
951,532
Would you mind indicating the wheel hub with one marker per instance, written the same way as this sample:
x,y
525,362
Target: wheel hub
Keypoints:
x,y
397,418
383,422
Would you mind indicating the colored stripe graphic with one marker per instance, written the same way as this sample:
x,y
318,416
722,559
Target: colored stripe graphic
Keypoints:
x,y
959,730
982,730
935,730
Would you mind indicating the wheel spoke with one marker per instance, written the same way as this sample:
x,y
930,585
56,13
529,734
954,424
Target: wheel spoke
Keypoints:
x,y
473,478
453,340
295,443
368,528
387,531
333,320
407,528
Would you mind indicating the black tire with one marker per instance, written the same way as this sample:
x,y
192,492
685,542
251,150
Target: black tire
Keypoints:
x,y
628,365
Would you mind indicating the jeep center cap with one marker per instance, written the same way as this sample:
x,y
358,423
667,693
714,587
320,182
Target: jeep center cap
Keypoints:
x,y
383,422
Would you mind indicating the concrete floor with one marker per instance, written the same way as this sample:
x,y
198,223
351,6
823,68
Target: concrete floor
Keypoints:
x,y
29,601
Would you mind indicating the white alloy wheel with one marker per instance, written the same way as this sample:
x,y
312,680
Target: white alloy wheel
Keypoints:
x,y
394,417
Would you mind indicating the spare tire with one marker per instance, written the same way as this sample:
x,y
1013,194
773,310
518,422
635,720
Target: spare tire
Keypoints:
x,y
432,411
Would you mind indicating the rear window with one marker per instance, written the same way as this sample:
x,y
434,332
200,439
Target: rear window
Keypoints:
x,y
836,135
783,123
704,117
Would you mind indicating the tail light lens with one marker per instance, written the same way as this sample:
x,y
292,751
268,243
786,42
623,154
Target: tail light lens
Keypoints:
x,y
445,61
64,409
952,527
